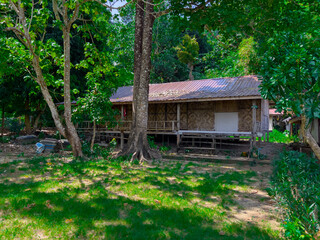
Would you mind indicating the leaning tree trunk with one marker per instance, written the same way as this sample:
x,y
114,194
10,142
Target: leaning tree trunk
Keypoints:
x,y
37,120
138,144
308,138
93,135
24,36
71,132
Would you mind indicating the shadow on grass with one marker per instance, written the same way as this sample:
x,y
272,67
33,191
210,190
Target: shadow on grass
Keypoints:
x,y
96,212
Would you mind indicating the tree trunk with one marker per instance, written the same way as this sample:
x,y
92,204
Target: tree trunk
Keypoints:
x,y
36,121
308,138
27,116
27,123
71,132
138,144
93,136
2,121
190,66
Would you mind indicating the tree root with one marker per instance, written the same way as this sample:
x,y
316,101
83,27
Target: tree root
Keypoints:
x,y
142,154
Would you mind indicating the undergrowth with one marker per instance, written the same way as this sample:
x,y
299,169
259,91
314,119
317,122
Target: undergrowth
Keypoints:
x,y
296,187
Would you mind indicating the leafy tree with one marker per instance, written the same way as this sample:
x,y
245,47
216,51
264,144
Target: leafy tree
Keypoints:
x,y
94,105
29,21
187,52
290,70
231,59
166,66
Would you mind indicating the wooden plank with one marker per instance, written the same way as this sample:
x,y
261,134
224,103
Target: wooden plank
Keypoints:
x,y
254,121
198,148
178,116
216,132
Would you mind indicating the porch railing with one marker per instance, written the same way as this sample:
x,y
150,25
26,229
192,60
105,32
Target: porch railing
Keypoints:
x,y
153,126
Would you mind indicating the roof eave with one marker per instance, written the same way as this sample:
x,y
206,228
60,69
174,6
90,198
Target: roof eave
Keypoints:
x,y
195,100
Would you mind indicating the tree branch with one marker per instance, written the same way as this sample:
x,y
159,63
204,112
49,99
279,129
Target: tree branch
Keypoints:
x,y
161,13
31,15
55,10
213,35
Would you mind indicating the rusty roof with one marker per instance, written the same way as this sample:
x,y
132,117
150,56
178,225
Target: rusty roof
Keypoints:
x,y
274,112
209,89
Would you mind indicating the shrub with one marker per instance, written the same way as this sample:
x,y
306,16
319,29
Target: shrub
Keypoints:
x,y
4,139
151,142
295,185
14,125
282,137
164,148
98,151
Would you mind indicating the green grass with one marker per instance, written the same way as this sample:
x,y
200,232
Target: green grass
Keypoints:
x,y
99,199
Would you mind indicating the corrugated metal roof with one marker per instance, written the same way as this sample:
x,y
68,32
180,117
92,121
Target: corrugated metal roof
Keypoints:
x,y
274,112
198,89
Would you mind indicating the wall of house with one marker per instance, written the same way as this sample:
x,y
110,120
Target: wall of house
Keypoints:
x,y
201,115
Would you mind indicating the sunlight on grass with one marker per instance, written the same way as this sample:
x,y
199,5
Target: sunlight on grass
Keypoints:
x,y
102,199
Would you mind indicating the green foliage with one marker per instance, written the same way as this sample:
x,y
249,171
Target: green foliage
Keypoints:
x,y
296,187
291,72
282,137
188,50
235,59
248,55
42,135
164,148
99,151
4,139
14,125
151,142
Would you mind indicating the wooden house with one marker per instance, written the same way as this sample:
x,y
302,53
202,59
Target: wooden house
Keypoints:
x,y
199,109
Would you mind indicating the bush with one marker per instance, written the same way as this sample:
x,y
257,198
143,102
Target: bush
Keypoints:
x,y
295,185
282,137
151,142
4,139
98,151
14,125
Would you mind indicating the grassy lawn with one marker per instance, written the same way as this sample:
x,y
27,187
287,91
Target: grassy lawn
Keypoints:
x,y
55,198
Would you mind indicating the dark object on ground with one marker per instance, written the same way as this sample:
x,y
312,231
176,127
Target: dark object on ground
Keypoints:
x,y
28,139
62,144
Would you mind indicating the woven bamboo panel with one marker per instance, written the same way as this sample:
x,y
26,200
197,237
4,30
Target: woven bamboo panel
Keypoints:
x,y
152,112
245,115
161,112
183,116
201,116
171,112
226,106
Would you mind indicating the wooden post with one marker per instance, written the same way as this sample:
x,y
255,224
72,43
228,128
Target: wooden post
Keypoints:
x,y
122,133
178,116
254,121
178,124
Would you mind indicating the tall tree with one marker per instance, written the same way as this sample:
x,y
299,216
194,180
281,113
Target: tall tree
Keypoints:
x,y
29,21
188,52
138,142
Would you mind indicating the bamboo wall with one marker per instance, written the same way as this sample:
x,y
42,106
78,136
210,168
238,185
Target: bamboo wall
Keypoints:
x,y
200,115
